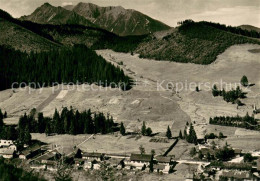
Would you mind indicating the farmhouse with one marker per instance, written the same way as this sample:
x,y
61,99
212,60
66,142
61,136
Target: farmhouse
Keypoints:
x,y
50,156
116,162
31,152
163,159
141,158
6,143
79,161
37,166
162,168
51,165
235,174
96,156
7,153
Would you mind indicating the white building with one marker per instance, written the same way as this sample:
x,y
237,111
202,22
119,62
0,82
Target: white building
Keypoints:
x,y
7,153
6,143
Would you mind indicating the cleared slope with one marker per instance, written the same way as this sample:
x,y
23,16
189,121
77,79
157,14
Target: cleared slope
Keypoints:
x,y
249,28
23,39
192,42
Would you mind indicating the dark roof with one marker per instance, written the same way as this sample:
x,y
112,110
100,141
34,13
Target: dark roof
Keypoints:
x,y
96,155
163,159
141,157
31,149
47,156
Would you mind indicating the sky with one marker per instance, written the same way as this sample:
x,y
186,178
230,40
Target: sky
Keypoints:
x,y
230,12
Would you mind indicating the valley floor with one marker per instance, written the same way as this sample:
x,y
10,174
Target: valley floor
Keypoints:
x,y
158,108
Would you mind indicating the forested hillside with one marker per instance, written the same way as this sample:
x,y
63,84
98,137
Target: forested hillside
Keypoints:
x,y
9,172
195,42
73,64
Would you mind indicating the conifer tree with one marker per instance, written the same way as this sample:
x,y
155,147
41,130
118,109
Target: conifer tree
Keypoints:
x,y
143,130
5,114
180,135
168,133
122,129
244,81
27,136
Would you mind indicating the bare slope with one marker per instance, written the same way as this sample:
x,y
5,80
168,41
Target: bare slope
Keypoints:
x,y
23,39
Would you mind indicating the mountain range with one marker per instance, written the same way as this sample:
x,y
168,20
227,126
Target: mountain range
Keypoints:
x,y
194,42
115,19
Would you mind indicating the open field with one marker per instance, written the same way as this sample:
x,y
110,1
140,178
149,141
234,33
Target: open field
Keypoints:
x,y
116,144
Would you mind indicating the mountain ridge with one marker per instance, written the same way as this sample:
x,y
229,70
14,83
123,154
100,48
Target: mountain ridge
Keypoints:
x,y
116,19
48,14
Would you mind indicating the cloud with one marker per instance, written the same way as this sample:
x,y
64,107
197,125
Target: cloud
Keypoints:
x,y
66,3
234,16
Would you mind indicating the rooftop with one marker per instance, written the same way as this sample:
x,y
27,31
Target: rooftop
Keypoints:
x,y
236,174
163,159
31,149
6,151
94,154
141,157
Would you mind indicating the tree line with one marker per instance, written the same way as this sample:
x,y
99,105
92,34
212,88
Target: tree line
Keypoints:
x,y
229,96
68,121
248,122
77,64
235,30
9,172
6,132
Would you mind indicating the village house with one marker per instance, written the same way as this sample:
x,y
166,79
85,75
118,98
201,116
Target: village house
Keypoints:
x,y
50,156
139,160
51,165
235,174
5,143
163,160
161,168
8,144
31,152
37,166
79,161
7,153
116,162
91,165
91,156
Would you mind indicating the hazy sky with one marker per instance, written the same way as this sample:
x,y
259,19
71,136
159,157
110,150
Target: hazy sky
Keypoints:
x,y
231,12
